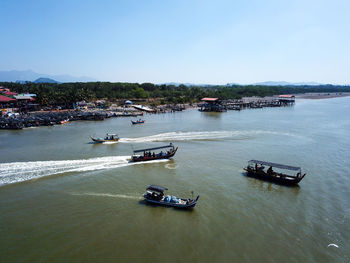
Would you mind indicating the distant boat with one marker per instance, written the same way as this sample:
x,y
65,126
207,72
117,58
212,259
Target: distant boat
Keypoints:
x,y
256,169
149,154
65,121
138,121
109,138
155,195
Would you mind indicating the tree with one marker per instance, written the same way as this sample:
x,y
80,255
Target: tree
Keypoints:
x,y
139,93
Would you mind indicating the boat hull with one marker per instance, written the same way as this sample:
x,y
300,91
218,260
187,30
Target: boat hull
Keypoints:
x,y
176,205
137,122
284,180
103,140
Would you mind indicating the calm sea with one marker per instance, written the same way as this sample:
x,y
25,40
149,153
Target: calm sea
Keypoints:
x,y
63,199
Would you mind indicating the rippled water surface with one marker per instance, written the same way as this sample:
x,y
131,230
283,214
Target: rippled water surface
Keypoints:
x,y
63,199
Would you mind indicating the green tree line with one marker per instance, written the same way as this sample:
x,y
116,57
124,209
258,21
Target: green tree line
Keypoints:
x,y
68,93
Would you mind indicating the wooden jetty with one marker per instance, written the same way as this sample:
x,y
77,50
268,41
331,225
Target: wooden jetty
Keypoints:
x,y
258,103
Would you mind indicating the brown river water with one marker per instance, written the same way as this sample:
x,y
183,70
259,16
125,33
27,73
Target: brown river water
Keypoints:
x,y
63,199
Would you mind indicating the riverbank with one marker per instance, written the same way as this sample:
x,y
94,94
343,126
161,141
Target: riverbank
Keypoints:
x,y
14,121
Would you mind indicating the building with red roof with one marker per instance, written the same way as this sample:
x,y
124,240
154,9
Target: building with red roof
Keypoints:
x,y
6,102
9,93
212,104
286,98
210,99
4,99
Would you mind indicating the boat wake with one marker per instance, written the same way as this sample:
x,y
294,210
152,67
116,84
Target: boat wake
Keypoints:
x,y
205,135
23,171
171,166
109,195
109,142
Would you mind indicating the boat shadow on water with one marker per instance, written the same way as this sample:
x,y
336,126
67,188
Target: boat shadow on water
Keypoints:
x,y
269,186
259,181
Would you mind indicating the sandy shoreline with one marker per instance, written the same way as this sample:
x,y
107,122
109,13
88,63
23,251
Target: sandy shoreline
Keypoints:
x,y
324,95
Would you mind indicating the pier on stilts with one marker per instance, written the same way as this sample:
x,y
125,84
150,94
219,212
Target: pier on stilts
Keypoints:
x,y
256,103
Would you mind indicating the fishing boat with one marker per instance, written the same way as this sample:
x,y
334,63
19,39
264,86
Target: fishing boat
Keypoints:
x,y
138,121
276,172
110,137
155,194
149,154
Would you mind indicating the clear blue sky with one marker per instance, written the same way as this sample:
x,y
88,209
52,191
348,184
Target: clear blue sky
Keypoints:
x,y
197,41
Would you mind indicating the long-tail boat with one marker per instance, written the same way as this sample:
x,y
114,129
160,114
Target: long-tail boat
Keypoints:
x,y
275,173
149,154
155,194
110,137
138,121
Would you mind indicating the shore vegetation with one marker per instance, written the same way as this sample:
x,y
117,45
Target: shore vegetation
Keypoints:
x,y
69,93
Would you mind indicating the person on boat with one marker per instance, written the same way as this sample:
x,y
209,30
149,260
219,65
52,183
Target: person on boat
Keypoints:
x,y
270,171
154,155
259,168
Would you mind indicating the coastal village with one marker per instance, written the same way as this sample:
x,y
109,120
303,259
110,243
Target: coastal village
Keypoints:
x,y
20,111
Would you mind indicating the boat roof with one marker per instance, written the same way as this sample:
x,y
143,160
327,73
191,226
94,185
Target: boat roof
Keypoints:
x,y
156,188
155,148
289,96
276,165
209,99
112,134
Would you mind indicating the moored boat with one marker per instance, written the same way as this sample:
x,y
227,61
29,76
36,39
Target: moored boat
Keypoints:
x,y
64,121
149,154
155,194
275,173
110,137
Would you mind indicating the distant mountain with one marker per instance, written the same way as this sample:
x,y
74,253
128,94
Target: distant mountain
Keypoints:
x,y
284,83
45,80
266,83
29,75
233,84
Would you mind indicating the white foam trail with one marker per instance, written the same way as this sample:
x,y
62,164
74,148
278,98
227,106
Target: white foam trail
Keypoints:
x,y
108,195
205,135
109,142
333,245
171,166
23,171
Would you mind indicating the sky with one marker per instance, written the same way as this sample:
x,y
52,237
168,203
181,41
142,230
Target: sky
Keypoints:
x,y
187,41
